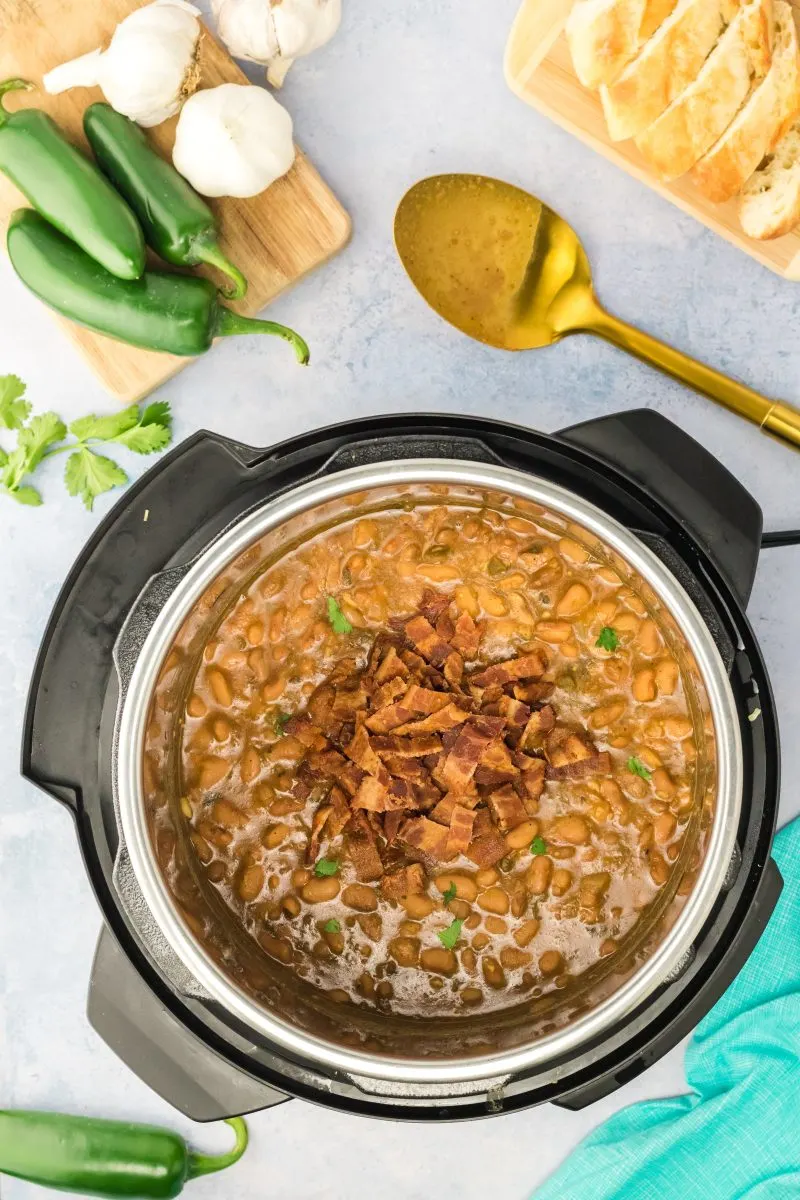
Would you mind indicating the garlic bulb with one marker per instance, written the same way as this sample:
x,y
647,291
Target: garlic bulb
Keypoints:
x,y
233,140
149,68
276,32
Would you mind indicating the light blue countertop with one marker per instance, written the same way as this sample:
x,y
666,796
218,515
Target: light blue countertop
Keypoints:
x,y
407,89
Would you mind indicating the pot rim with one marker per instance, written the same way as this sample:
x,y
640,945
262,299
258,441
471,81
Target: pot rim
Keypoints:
x,y
131,723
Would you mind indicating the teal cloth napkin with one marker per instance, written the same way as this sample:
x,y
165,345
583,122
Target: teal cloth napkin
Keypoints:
x,y
737,1132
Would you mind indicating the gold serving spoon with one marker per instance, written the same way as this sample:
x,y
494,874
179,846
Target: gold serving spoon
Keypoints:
x,y
505,269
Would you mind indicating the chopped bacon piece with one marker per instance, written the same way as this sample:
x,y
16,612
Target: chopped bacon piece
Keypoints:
x,y
532,781
596,764
406,747
426,794
446,718
340,812
407,881
325,762
391,667
391,824
487,849
363,849
401,794
387,693
371,795
425,700
443,811
433,604
515,712
454,669
426,836
466,636
388,718
361,752
507,808
529,666
347,702
305,732
541,721
318,823
445,627
350,777
404,768
426,640
564,746
533,693
483,823
460,835
469,747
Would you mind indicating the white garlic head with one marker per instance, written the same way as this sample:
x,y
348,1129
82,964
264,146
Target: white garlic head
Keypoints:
x,y
149,68
233,140
276,32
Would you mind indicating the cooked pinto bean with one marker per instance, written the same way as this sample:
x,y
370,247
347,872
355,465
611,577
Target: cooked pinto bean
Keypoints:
x,y
317,891
360,896
493,973
495,900
441,961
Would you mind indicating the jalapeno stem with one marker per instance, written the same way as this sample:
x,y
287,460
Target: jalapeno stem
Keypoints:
x,y
229,323
11,85
206,1164
210,253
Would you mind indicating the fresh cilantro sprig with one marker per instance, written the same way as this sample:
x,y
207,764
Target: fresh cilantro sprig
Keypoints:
x,y
87,474
538,846
339,622
326,866
332,926
608,639
450,894
448,937
637,767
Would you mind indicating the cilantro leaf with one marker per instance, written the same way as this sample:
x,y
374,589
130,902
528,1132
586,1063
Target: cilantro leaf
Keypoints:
x,y
3,458
145,439
608,639
332,926
538,846
448,937
637,767
280,722
157,413
14,411
339,622
33,442
450,894
89,475
27,495
107,428
326,866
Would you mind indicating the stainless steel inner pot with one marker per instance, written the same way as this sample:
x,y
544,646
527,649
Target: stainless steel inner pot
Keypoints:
x,y
142,647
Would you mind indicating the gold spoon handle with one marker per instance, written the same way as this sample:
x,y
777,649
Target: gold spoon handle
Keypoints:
x,y
776,418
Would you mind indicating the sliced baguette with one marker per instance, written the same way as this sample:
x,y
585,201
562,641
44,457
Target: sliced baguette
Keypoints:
x,y
605,35
761,123
770,204
700,115
668,63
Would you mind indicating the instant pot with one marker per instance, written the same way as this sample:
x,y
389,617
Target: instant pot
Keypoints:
x,y
182,1024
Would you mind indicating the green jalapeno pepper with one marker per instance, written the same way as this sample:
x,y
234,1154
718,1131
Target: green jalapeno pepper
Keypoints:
x,y
177,223
180,314
68,189
105,1158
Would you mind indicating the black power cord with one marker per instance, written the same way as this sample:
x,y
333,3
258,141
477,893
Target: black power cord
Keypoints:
x,y
780,537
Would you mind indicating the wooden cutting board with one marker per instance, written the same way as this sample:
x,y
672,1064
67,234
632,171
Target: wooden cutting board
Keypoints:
x,y
276,238
538,68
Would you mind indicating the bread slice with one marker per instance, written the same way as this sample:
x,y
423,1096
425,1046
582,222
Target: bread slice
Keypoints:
x,y
761,123
770,204
668,63
605,35
697,118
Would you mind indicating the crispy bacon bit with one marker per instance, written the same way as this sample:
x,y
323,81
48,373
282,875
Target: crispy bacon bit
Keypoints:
x,y
340,812
325,762
487,850
470,745
541,721
454,669
350,777
564,746
530,666
597,764
426,836
515,712
532,782
406,747
425,700
483,823
446,718
405,768
460,835
496,766
407,881
426,794
533,693
466,636
443,812
391,667
305,732
387,693
371,795
391,824
433,604
317,825
507,808
426,640
363,849
388,718
445,627
347,702
361,752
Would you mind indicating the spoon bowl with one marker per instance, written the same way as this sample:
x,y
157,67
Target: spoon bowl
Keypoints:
x,y
502,267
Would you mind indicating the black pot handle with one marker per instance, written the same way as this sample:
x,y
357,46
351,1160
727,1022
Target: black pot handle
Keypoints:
x,y
702,494
160,1050
690,1014
403,446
